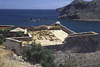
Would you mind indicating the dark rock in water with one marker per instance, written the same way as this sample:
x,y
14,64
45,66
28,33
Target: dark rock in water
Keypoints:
x,y
81,10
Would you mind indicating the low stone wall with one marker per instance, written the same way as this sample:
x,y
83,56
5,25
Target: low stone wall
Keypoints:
x,y
64,29
67,30
23,38
13,45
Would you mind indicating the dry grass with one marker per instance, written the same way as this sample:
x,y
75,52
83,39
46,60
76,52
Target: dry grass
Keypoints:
x,y
5,53
5,60
3,44
9,63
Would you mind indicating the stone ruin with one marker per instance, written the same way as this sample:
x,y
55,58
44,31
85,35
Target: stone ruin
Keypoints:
x,y
75,42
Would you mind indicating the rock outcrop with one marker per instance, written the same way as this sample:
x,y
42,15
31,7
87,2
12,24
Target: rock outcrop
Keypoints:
x,y
81,10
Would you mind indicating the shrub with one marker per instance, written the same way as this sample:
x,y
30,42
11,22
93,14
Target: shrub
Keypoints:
x,y
55,28
1,38
38,54
42,27
6,32
19,34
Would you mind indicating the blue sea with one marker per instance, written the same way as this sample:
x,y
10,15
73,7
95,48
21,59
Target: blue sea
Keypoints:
x,y
20,17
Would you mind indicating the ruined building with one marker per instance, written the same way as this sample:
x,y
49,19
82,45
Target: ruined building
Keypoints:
x,y
75,42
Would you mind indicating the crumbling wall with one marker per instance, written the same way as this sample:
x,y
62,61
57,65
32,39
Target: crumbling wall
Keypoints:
x,y
14,45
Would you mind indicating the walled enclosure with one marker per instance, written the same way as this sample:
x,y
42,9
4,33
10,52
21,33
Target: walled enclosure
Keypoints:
x,y
75,42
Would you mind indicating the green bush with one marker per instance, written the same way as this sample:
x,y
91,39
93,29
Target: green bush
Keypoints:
x,y
1,39
19,34
6,32
38,54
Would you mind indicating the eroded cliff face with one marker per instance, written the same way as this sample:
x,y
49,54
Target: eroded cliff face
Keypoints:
x,y
81,10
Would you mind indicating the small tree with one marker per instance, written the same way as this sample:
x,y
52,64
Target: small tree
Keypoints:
x,y
1,39
38,54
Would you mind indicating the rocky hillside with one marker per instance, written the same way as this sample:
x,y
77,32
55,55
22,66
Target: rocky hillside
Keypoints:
x,y
79,59
81,10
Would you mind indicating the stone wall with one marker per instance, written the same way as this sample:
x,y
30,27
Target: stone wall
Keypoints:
x,y
55,48
82,42
13,45
64,29
23,38
67,30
